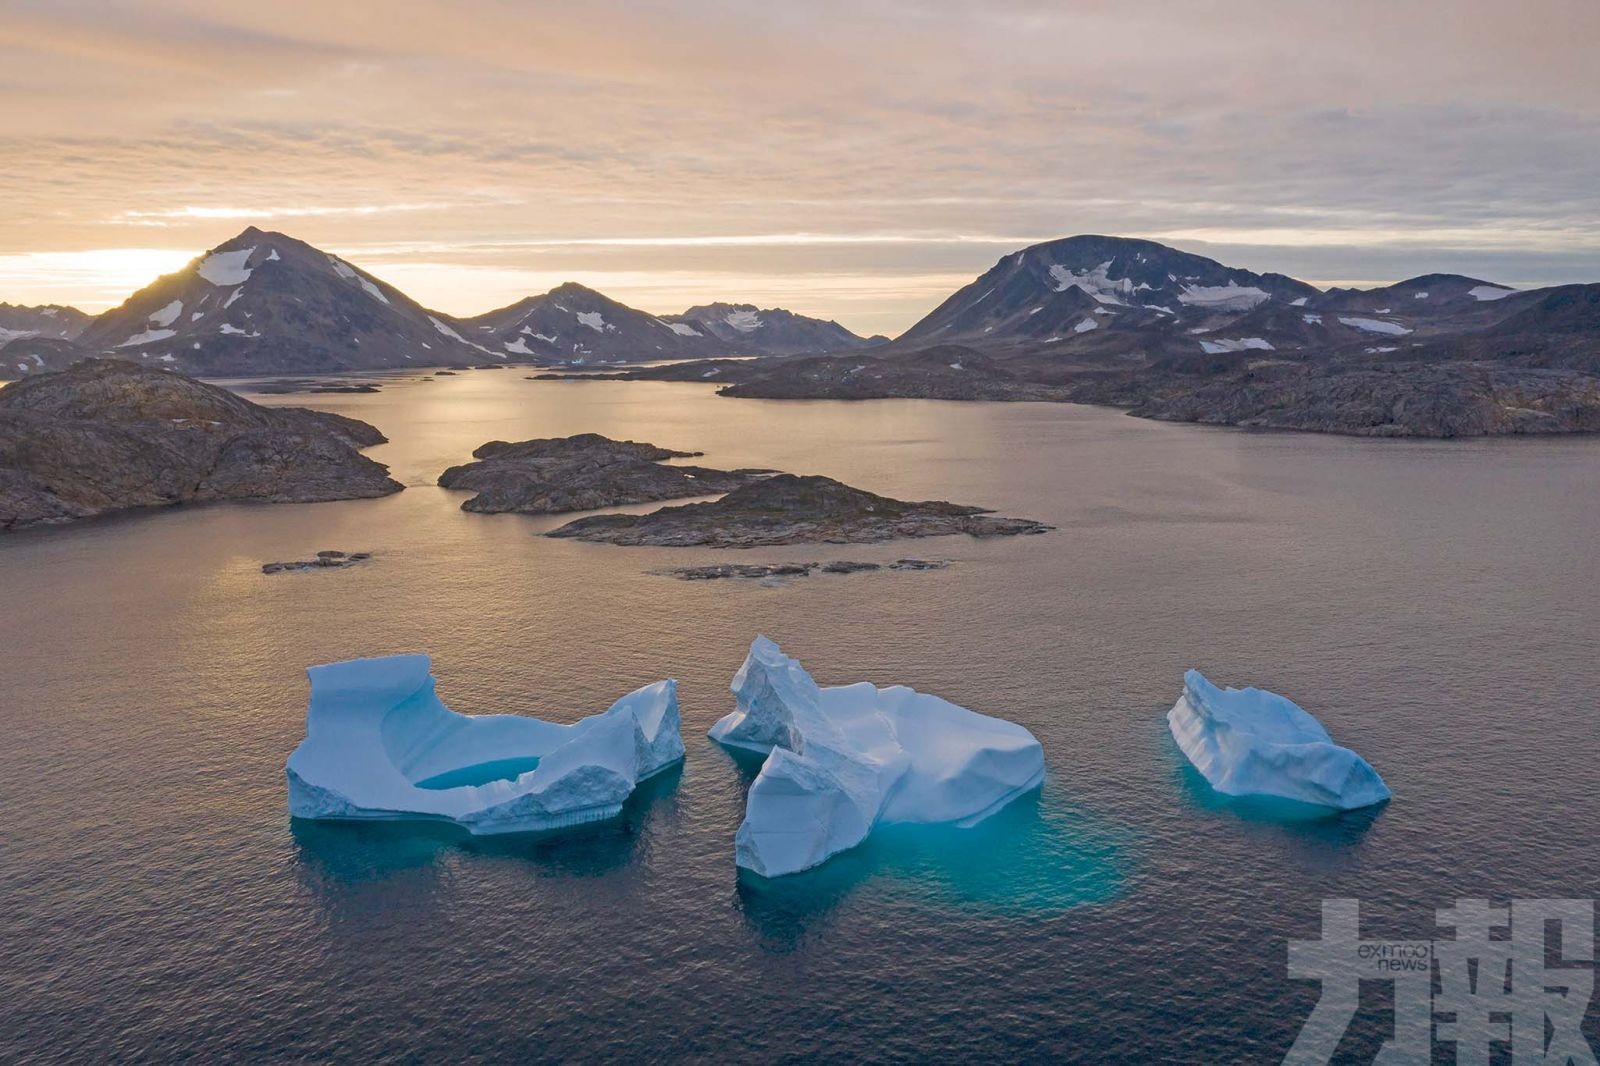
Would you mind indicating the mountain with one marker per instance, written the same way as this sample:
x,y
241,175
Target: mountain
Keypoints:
x,y
574,324
768,331
1111,303
1565,309
1430,294
23,356
265,303
1169,335
1065,289
1090,318
53,321
35,339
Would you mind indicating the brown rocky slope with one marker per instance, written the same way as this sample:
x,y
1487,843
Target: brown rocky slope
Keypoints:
x,y
107,435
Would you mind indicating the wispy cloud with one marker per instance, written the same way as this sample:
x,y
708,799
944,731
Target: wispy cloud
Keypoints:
x,y
190,213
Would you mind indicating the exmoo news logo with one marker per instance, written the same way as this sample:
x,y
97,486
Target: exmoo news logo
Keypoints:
x,y
1517,977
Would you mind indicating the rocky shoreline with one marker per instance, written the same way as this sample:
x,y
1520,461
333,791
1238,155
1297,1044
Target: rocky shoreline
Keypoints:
x,y
1418,397
1437,401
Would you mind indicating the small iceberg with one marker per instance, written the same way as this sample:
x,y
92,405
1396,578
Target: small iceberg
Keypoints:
x,y
380,745
843,759
1247,742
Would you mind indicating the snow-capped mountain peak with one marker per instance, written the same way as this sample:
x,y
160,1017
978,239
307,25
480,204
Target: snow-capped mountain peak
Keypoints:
x,y
1042,291
264,302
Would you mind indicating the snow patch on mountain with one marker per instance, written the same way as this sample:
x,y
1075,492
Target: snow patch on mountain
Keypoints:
x,y
1229,297
682,329
227,268
1085,326
149,336
1095,282
1489,292
349,273
594,320
1373,325
744,321
446,330
168,314
1243,345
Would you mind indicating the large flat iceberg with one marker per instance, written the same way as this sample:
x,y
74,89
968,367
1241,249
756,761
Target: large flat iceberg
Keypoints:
x,y
380,745
843,759
1247,742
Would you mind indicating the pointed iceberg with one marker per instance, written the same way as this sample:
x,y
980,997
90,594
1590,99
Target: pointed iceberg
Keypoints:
x,y
841,760
380,745
1247,742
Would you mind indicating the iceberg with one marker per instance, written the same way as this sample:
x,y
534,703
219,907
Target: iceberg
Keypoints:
x,y
843,759
1247,742
381,745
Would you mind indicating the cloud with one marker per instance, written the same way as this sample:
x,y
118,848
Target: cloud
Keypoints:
x,y
735,141
264,213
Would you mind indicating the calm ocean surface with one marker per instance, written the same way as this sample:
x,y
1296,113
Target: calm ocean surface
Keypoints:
x,y
1434,603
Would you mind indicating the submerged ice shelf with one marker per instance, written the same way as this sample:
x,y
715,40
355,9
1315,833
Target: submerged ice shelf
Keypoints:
x,y
381,745
845,758
1248,742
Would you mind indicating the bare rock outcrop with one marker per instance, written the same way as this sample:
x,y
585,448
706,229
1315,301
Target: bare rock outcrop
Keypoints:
x,y
582,473
790,509
107,435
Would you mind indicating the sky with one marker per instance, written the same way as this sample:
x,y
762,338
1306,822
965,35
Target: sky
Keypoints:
x,y
856,161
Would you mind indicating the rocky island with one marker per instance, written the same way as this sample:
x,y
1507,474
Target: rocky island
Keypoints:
x,y
769,571
790,509
290,386
325,560
107,435
582,473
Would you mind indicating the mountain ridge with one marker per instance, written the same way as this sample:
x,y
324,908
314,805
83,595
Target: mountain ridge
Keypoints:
x,y
1178,337
1091,304
771,330
263,302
